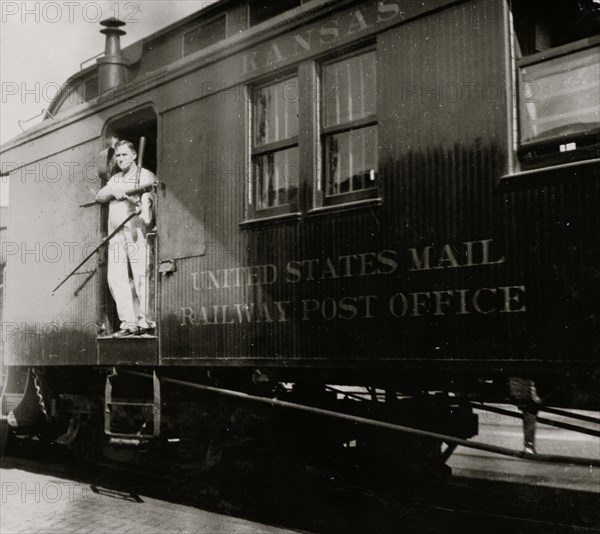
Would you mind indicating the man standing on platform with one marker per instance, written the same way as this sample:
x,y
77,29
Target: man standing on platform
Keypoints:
x,y
127,251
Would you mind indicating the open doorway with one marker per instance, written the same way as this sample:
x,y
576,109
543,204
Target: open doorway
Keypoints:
x,y
129,127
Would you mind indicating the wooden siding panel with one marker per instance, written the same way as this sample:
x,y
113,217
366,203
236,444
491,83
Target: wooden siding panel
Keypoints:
x,y
443,125
200,208
443,128
552,223
439,173
51,237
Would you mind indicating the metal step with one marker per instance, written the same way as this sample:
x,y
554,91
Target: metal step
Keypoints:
x,y
127,421
134,350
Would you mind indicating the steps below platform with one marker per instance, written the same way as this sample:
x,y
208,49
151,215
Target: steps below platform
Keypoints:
x,y
134,350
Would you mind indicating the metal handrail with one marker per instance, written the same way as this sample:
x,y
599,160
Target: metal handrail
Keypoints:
x,y
89,59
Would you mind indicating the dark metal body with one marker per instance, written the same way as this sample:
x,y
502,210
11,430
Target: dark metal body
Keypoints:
x,y
518,252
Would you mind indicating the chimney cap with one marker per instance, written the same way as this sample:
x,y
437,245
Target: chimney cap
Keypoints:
x,y
112,22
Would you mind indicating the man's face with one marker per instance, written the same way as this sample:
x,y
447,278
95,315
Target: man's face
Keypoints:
x,y
125,157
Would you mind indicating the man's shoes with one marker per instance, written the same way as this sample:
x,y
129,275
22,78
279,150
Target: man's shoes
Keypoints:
x,y
135,331
126,332
147,331
529,450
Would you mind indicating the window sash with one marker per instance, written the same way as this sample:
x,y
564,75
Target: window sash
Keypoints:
x,y
344,127
275,112
345,96
565,96
276,178
349,148
350,161
274,146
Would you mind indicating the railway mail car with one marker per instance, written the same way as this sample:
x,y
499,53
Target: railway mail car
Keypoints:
x,y
395,195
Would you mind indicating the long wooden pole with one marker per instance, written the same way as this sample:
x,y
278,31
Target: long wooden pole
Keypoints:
x,y
104,241
142,148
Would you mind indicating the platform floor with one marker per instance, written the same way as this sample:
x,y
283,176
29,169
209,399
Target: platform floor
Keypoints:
x,y
36,503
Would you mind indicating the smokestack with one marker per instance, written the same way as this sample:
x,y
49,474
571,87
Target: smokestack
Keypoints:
x,y
112,66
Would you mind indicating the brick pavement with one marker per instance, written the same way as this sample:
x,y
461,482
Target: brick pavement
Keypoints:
x,y
33,503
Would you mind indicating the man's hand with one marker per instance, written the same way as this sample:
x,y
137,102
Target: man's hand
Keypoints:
x,y
119,193
110,192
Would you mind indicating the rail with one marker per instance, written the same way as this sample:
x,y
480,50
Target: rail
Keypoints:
x,y
543,420
564,413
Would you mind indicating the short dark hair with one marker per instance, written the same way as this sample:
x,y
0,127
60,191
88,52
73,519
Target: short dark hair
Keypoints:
x,y
129,145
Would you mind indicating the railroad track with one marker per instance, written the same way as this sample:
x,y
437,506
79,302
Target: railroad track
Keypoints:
x,y
317,505
466,505
510,523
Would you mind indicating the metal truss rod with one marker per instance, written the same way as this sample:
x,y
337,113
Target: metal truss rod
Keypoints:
x,y
591,462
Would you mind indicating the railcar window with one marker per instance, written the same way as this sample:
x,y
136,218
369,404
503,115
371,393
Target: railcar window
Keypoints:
x,y
349,126
566,99
558,61
205,35
541,25
275,144
261,10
